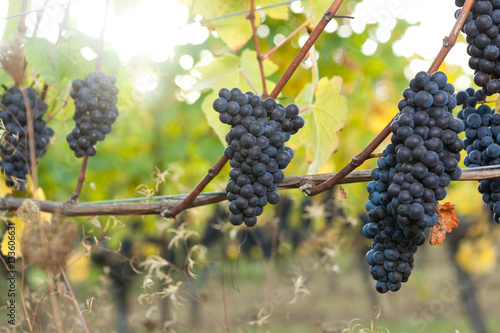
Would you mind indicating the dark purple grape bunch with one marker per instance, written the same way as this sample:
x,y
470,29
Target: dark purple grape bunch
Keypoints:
x,y
428,151
256,150
482,27
482,142
411,177
16,158
95,112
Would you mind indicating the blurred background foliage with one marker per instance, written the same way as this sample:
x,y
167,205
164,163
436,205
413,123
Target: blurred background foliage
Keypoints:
x,y
162,143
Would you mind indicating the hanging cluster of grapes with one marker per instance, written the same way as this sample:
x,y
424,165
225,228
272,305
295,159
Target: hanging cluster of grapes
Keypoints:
x,y
482,131
482,27
16,159
95,112
256,150
411,177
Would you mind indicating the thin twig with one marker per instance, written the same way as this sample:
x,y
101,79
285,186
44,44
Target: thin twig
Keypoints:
x,y
55,306
290,36
251,17
81,180
361,157
73,298
224,302
211,314
449,41
21,27
101,39
39,15
375,155
31,141
163,207
63,24
249,82
189,201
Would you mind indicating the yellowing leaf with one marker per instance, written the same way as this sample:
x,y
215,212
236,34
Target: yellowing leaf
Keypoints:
x,y
10,246
324,118
4,189
78,267
235,31
477,255
447,220
277,13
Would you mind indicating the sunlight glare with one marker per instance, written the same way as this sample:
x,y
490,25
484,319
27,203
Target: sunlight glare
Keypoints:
x,y
146,82
88,54
151,28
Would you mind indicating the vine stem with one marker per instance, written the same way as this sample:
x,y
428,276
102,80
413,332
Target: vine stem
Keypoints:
x,y
83,170
214,171
167,206
251,17
448,43
73,298
81,180
307,46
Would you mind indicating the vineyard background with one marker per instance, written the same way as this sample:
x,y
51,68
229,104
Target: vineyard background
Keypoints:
x,y
302,269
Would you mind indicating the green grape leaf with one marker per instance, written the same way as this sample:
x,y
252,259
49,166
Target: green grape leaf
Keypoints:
x,y
277,13
324,118
234,31
230,71
43,58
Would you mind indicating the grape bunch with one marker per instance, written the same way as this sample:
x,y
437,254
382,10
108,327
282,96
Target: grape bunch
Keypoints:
x,y
482,27
16,159
411,177
482,143
256,150
95,112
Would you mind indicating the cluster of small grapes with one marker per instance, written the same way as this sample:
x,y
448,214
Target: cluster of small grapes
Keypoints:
x,y
482,27
391,256
95,112
482,131
16,159
256,150
411,177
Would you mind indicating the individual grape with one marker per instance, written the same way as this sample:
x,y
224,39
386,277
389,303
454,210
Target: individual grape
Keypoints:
x,y
95,111
15,149
256,149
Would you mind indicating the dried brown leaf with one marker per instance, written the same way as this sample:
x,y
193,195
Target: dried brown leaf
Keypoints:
x,y
341,193
447,220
